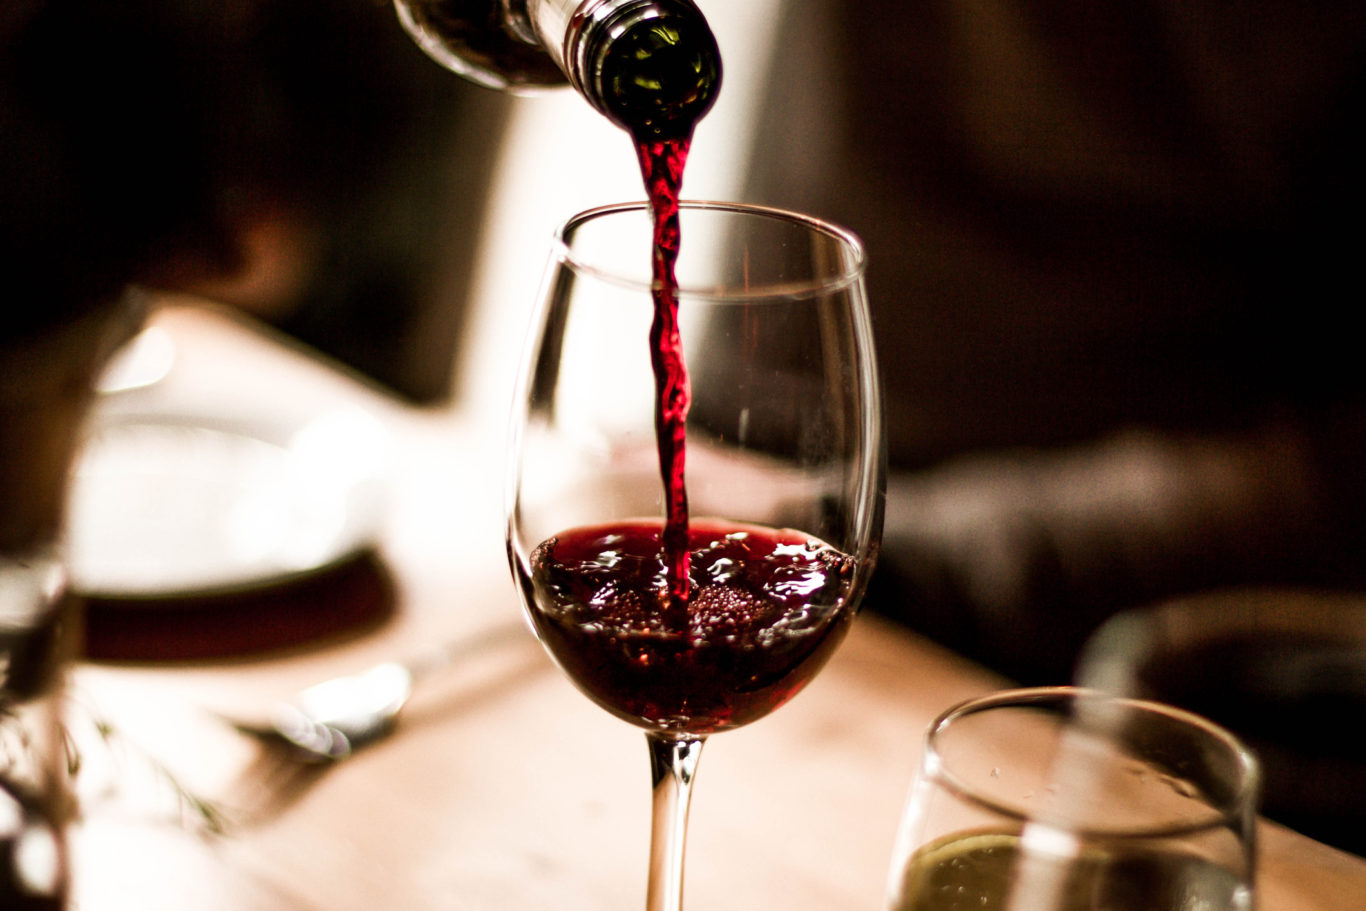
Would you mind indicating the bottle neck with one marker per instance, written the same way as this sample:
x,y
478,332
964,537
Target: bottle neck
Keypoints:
x,y
484,41
547,23
517,20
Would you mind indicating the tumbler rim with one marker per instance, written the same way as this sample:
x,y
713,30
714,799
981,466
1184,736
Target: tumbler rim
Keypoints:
x,y
1237,808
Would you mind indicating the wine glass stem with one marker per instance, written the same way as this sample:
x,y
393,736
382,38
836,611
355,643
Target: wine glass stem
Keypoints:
x,y
673,763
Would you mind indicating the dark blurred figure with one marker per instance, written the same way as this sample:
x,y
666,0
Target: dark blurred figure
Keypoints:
x,y
300,159
1112,251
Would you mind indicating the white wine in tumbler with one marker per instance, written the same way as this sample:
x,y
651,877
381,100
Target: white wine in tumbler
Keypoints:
x,y
979,871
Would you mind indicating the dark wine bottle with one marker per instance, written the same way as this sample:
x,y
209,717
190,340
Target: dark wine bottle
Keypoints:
x,y
650,66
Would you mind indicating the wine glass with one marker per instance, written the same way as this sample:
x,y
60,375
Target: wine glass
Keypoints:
x,y
1070,799
692,614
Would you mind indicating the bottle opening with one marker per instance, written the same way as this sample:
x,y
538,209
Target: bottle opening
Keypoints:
x,y
652,67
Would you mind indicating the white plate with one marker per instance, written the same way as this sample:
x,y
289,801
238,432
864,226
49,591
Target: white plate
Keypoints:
x,y
179,504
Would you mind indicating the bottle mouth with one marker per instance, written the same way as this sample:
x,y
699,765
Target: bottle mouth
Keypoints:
x,y
652,67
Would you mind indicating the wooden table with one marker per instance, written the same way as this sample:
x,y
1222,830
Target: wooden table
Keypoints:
x,y
503,787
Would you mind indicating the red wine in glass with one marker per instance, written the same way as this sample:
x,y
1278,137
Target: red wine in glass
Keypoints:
x,y
762,608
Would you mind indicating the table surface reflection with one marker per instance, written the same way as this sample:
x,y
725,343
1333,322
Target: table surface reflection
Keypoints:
x,y
502,787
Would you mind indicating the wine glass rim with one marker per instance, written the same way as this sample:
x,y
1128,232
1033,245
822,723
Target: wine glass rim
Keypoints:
x,y
852,268
1227,812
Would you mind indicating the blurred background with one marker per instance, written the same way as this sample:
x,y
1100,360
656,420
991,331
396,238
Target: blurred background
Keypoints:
x,y
1110,266
1112,250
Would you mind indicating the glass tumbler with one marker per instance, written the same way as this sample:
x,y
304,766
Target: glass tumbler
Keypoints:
x,y
1064,799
